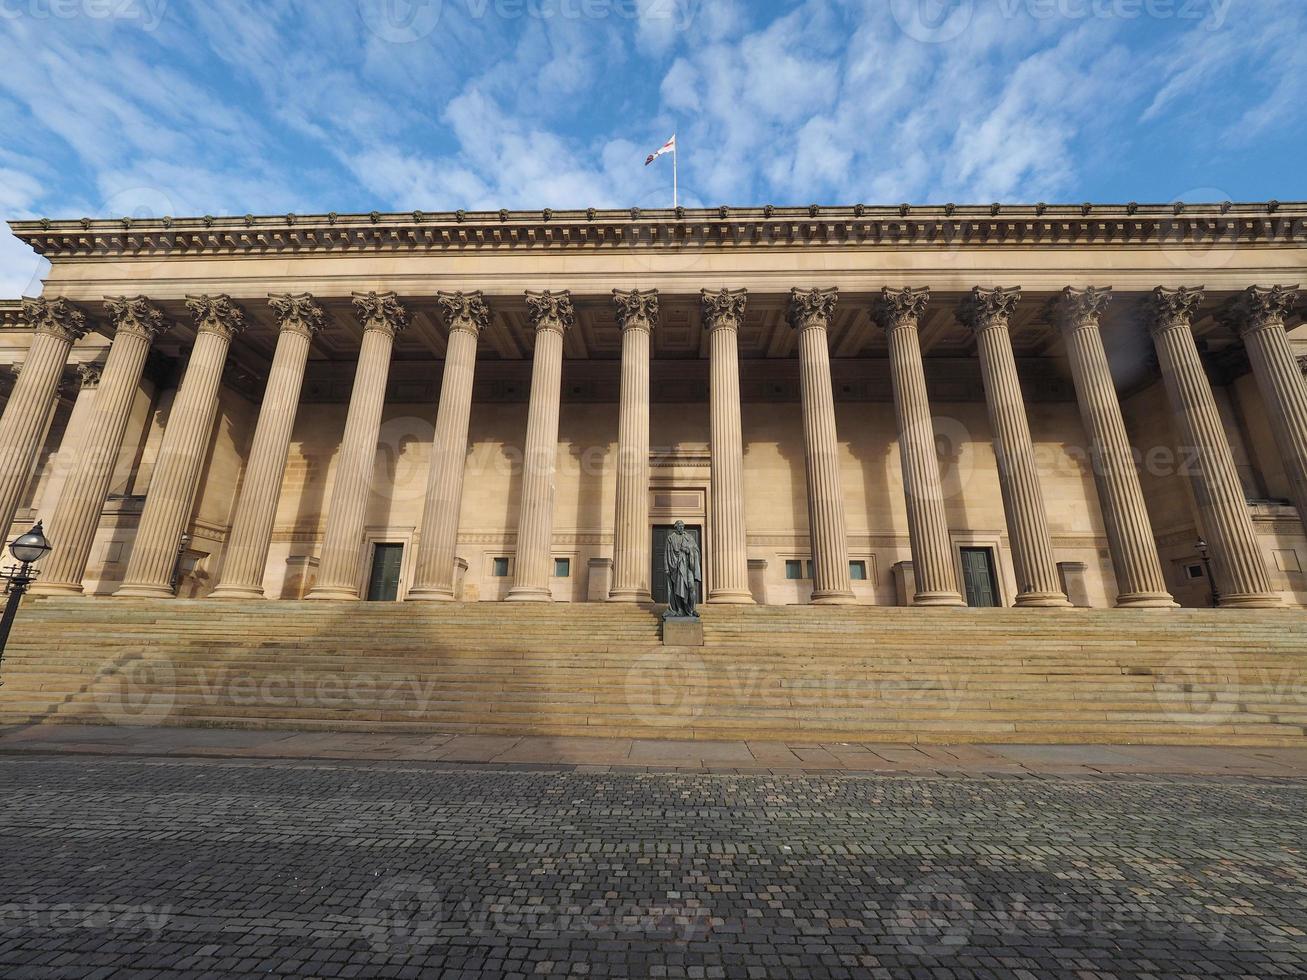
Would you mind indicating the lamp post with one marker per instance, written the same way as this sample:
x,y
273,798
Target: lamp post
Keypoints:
x,y
27,549
1207,570
182,544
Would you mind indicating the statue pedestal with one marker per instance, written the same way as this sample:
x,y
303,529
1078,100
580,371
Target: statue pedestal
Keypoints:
x,y
682,631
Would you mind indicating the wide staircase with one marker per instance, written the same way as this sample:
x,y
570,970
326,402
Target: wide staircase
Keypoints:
x,y
799,673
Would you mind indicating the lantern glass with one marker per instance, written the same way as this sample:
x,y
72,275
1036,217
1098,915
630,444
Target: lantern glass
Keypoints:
x,y
30,547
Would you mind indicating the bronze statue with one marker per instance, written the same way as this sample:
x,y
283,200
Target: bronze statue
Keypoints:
x,y
684,573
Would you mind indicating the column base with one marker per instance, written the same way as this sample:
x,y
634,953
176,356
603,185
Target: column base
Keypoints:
x,y
832,597
237,592
1252,600
1044,600
56,588
949,599
630,595
433,593
528,593
333,592
138,590
731,597
1146,600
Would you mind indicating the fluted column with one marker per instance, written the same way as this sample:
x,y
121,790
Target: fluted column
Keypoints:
x,y
171,496
1222,508
1259,314
810,314
466,315
552,315
987,311
55,324
77,514
637,312
383,316
86,384
933,564
727,546
1139,578
299,317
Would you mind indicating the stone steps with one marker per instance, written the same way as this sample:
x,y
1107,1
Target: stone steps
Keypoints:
x,y
799,672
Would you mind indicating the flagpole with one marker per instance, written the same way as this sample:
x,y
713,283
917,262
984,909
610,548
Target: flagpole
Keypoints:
x,y
676,201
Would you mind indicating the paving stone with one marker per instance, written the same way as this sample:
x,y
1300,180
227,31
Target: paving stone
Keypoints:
x,y
194,867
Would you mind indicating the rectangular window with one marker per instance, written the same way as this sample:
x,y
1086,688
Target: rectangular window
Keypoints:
x,y
793,568
1194,571
499,567
562,567
809,565
858,570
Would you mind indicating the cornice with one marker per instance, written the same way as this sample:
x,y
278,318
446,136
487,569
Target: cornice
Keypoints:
x,y
920,226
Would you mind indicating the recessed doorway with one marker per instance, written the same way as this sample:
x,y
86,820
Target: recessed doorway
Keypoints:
x,y
387,564
979,578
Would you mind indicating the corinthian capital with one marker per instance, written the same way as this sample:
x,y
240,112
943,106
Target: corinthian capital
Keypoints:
x,y
299,312
216,314
381,311
464,311
56,317
900,307
88,375
812,307
1072,307
551,310
636,308
723,308
989,307
1167,308
136,315
1259,306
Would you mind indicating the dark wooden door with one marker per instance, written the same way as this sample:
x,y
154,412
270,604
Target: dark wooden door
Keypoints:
x,y
658,575
978,577
383,584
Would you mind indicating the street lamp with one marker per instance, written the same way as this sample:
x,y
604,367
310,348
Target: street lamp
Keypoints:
x,y
1207,570
27,549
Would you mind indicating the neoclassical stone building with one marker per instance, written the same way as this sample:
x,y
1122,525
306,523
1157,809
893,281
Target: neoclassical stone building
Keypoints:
x,y
992,405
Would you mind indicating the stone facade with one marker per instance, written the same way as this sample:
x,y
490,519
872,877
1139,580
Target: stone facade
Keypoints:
x,y
1035,406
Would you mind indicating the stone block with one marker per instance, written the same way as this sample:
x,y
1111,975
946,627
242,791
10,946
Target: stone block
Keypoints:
x,y
905,582
1073,574
682,632
599,579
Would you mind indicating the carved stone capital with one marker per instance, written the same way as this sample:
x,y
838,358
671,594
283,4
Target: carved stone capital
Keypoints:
x,y
636,308
136,315
900,307
1073,307
464,311
1259,306
723,309
1167,308
381,311
56,317
216,314
983,308
298,312
551,310
88,375
812,307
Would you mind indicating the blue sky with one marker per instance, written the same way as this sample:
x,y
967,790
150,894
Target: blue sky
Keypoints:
x,y
153,107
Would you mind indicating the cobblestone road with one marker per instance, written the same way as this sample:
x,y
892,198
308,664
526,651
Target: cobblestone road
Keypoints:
x,y
111,867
